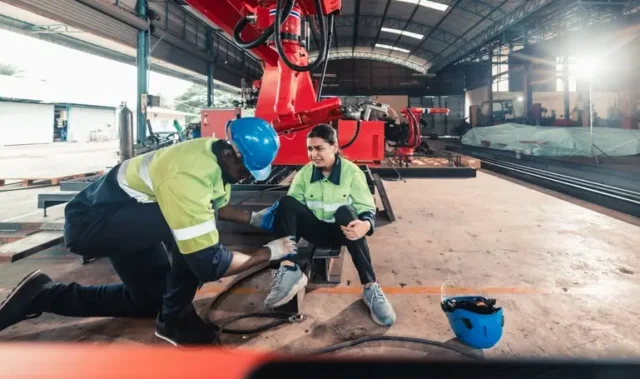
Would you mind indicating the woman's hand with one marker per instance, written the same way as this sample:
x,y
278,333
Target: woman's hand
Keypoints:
x,y
356,229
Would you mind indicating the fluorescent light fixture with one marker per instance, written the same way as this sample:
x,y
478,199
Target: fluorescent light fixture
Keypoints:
x,y
428,4
317,75
392,48
331,85
403,33
520,98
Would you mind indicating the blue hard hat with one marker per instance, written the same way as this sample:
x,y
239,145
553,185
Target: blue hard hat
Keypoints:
x,y
257,142
479,331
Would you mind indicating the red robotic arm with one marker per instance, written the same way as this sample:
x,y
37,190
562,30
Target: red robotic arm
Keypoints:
x,y
287,96
413,116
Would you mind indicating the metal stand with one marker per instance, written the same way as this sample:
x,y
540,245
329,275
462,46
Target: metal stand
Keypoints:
x,y
592,146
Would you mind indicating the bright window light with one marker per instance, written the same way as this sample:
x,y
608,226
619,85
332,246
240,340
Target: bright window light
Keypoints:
x,y
587,66
520,98
428,4
403,33
391,48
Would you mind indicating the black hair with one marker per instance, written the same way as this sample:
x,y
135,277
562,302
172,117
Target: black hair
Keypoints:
x,y
326,132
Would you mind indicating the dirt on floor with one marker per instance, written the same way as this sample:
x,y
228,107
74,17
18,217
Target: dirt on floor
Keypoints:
x,y
566,276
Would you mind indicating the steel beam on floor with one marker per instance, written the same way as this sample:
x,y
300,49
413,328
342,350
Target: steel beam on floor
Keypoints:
x,y
424,172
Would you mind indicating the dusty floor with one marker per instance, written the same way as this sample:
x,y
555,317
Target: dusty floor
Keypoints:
x,y
567,277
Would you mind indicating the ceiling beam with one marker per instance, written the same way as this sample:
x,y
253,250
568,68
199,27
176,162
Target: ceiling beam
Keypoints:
x,y
482,9
437,27
516,16
384,15
396,23
475,25
413,13
355,25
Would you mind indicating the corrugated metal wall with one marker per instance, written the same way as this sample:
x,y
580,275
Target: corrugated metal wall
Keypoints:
x,y
87,124
25,123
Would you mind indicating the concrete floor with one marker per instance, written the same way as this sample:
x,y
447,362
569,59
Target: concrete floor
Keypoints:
x,y
56,159
566,276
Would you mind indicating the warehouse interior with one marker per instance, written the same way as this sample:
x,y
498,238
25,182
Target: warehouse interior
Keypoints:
x,y
500,140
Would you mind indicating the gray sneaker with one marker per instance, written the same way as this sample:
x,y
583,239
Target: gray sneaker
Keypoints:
x,y
287,282
381,310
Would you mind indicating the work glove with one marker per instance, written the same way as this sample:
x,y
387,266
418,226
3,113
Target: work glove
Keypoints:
x,y
284,247
264,218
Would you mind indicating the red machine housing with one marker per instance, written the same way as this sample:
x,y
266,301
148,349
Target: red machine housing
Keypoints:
x,y
287,98
213,121
369,143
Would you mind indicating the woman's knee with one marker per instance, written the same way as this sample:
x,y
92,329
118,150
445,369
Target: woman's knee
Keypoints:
x,y
345,214
289,202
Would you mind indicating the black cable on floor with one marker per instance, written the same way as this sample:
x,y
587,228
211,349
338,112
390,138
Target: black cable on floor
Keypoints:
x,y
359,341
283,318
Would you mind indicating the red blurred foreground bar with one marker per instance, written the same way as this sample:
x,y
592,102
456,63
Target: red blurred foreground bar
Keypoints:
x,y
95,361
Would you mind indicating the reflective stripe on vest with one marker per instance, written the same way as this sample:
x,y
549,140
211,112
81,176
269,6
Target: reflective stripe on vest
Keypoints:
x,y
143,173
194,231
330,208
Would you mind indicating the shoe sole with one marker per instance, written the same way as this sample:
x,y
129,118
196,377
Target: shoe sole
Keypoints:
x,y
166,339
299,285
16,289
373,315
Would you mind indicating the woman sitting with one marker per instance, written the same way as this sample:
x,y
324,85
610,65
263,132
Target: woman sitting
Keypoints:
x,y
328,204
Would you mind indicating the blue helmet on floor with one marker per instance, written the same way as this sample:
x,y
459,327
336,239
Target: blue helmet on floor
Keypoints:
x,y
479,327
257,142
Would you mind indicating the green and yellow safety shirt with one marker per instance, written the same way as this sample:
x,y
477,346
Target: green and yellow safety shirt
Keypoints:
x,y
346,185
187,183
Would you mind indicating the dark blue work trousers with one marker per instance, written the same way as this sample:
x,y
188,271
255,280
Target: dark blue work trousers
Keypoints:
x,y
138,242
292,218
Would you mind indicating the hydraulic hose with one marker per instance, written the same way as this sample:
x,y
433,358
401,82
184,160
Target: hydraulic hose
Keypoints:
x,y
323,51
282,318
355,136
359,341
237,30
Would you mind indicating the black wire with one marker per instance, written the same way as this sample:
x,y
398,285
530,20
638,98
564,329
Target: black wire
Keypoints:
x,y
359,341
322,56
355,136
237,30
282,318
399,178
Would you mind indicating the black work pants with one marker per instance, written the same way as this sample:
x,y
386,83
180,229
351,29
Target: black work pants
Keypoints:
x,y
292,218
136,240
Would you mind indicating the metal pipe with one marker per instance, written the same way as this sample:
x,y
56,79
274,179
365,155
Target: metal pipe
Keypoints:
x,y
125,128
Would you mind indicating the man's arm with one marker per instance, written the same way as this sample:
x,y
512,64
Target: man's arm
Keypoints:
x,y
186,205
232,214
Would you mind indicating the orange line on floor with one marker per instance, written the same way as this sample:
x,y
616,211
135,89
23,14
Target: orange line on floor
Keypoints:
x,y
390,290
213,290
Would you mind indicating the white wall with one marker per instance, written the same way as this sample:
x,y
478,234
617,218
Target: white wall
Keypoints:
x,y
475,97
164,123
24,123
91,124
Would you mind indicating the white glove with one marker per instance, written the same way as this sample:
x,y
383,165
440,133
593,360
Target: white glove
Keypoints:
x,y
282,247
256,217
